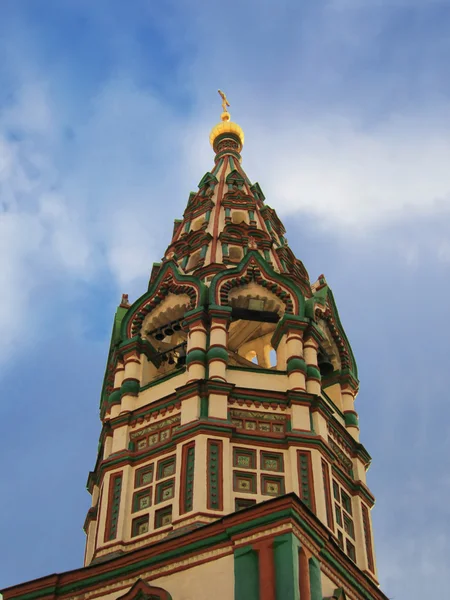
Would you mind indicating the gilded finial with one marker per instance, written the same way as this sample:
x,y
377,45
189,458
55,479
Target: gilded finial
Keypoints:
x,y
225,116
226,126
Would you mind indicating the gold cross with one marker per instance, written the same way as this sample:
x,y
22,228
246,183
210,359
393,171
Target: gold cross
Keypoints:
x,y
225,102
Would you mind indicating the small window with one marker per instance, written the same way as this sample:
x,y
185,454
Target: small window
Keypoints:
x,y
348,526
338,515
346,502
336,491
351,552
139,526
163,517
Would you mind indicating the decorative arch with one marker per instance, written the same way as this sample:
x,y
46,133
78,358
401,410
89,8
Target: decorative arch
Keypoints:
x,y
208,179
242,233
141,590
322,306
238,199
234,179
254,268
169,280
194,240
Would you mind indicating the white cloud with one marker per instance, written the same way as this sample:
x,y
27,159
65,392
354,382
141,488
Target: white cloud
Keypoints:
x,y
350,178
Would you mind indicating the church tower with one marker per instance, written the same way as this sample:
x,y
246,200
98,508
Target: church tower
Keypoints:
x,y
229,462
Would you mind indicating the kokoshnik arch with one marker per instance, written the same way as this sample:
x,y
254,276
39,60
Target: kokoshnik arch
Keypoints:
x,y
229,462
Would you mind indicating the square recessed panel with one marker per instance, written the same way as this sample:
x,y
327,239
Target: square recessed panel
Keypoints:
x,y
166,467
272,486
165,435
142,499
272,461
165,490
244,482
140,526
153,439
143,476
163,517
241,503
141,444
244,458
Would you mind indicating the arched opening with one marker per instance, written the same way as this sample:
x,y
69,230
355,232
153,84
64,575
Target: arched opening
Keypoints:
x,y
197,223
255,313
235,254
193,261
238,216
165,331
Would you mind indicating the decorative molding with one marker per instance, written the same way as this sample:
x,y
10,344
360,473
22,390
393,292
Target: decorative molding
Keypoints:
x,y
305,479
215,474
368,537
187,478
112,517
327,491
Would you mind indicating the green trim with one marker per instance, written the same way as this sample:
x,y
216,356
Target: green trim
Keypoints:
x,y
195,547
296,364
169,484
156,286
342,564
214,473
285,550
116,491
305,475
204,407
162,379
114,397
217,166
246,574
163,464
351,419
196,355
130,387
137,497
189,480
257,370
345,573
207,178
313,372
315,579
268,271
217,352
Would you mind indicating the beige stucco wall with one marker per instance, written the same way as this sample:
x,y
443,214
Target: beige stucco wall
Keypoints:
x,y
214,579
278,382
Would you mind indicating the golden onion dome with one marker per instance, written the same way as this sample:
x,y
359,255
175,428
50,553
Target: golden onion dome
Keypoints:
x,y
226,126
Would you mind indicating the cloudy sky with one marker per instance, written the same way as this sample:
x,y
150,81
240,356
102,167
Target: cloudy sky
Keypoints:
x,y
105,112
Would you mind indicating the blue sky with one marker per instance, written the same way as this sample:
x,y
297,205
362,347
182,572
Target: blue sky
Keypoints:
x,y
105,112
